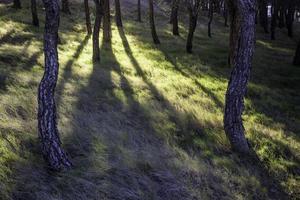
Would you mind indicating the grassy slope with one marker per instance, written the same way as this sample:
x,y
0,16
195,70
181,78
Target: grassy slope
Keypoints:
x,y
146,123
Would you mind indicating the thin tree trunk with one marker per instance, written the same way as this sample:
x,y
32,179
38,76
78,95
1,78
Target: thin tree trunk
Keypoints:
x,y
281,16
65,6
87,17
274,19
152,24
242,41
17,4
139,16
297,56
263,15
225,14
96,45
106,21
290,19
35,19
47,125
175,18
192,27
210,15
118,13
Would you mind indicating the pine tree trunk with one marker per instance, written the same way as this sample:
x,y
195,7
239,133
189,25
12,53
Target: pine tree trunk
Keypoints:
x,y
47,125
210,15
242,41
96,44
263,16
290,19
65,6
297,56
225,14
192,27
152,24
87,17
274,19
118,13
106,21
139,16
175,18
35,19
281,17
17,4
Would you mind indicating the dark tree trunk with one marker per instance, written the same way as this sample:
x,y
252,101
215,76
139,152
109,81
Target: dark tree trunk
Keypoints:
x,y
274,19
87,17
281,17
297,56
263,15
139,15
175,17
210,16
17,4
290,19
106,21
96,45
225,14
35,19
242,41
118,13
65,6
47,125
152,24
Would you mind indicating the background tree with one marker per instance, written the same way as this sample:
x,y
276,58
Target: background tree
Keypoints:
x,y
297,55
118,13
242,41
290,17
87,17
274,19
65,6
174,17
35,19
139,16
47,125
97,24
17,4
106,21
152,23
210,17
193,8
263,15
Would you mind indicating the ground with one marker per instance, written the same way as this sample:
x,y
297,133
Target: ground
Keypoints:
x,y
146,122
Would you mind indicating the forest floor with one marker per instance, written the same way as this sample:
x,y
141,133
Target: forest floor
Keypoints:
x,y
146,123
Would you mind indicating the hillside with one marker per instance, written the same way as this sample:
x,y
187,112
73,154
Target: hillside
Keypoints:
x,y
147,122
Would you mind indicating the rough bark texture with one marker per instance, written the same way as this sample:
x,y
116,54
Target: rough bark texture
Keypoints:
x,y
65,6
17,4
193,8
297,55
210,16
263,15
48,133
97,24
274,19
87,17
35,19
242,41
139,15
106,21
118,13
152,24
174,17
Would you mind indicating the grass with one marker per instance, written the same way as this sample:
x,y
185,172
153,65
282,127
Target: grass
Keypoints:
x,y
146,123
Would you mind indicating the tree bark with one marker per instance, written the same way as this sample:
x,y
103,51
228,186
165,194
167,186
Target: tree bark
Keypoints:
x,y
274,19
290,18
210,16
139,16
242,41
35,19
263,15
225,14
152,24
175,17
106,21
17,4
65,6
118,14
297,55
97,24
87,17
47,125
281,23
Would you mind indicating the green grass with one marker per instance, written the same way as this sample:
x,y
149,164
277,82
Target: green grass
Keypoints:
x,y
146,123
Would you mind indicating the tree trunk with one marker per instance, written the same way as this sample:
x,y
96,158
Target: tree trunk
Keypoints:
x,y
152,24
139,16
290,19
106,21
47,125
118,13
65,6
87,17
17,4
274,19
175,17
192,27
35,19
263,15
96,45
225,14
210,16
297,56
242,41
281,17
